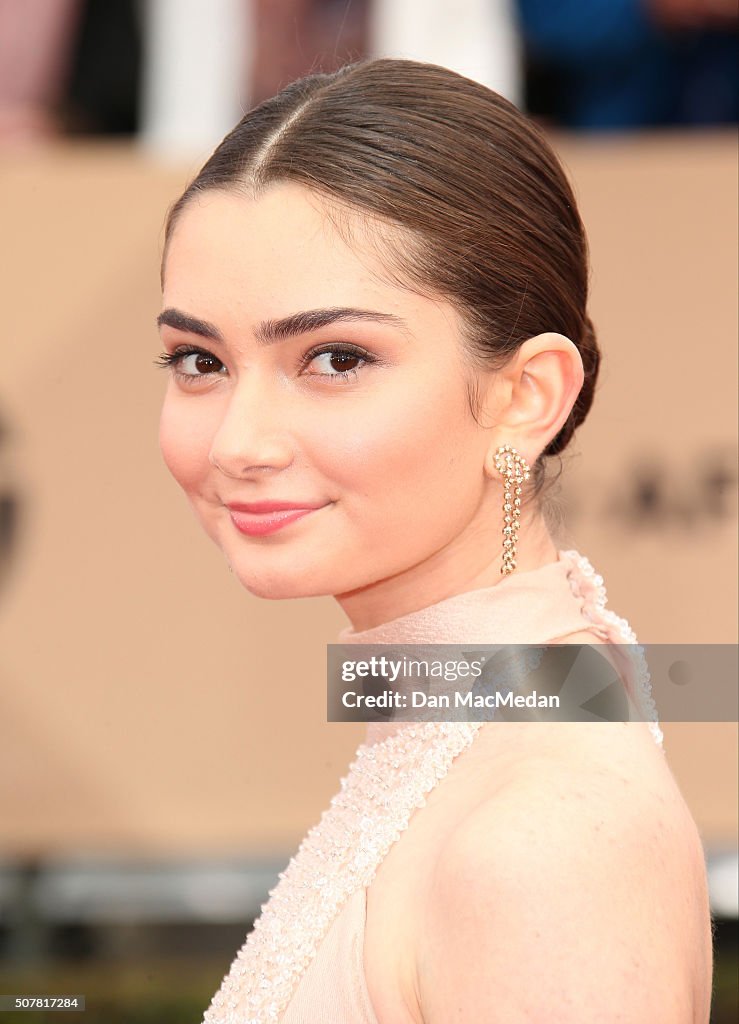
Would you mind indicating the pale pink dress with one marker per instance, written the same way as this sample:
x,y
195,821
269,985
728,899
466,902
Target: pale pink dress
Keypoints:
x,y
303,961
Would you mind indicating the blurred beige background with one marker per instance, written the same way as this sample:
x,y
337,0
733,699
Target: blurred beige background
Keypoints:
x,y
148,705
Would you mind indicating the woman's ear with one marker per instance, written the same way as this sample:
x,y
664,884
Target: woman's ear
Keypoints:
x,y
542,381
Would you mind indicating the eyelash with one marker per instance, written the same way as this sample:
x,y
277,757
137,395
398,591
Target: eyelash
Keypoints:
x,y
172,360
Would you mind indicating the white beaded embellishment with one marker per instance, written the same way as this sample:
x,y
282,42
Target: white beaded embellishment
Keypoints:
x,y
587,583
384,784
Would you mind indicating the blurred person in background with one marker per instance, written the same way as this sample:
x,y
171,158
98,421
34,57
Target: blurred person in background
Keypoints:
x,y
75,66
68,67
293,37
82,67
36,42
476,38
631,64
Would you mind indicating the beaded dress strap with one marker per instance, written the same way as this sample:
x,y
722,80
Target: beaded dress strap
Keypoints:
x,y
385,783
586,583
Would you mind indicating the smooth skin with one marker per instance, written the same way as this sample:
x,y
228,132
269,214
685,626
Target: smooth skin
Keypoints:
x,y
556,874
385,449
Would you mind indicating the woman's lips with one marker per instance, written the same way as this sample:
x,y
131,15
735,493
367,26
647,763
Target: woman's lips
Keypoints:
x,y
258,524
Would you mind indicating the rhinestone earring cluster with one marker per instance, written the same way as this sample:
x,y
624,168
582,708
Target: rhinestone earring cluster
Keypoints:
x,y
514,470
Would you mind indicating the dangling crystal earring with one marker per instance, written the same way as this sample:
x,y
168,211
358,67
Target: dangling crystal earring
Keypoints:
x,y
515,469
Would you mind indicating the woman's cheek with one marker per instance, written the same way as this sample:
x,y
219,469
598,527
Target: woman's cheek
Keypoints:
x,y
184,448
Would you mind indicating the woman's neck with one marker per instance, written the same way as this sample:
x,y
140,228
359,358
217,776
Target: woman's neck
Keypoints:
x,y
456,569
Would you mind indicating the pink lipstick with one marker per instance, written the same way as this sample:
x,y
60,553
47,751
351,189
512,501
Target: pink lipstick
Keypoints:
x,y
259,518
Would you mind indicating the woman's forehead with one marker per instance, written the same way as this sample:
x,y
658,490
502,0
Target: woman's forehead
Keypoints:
x,y
286,248
286,220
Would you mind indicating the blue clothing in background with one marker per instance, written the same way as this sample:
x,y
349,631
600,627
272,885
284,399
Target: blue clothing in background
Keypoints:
x,y
612,66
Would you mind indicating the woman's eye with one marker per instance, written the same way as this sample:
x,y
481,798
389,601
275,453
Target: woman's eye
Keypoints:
x,y
189,364
198,364
339,363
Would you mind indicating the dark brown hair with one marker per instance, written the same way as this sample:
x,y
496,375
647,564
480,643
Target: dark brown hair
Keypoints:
x,y
488,211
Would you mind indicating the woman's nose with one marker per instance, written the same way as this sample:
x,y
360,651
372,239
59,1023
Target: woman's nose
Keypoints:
x,y
251,434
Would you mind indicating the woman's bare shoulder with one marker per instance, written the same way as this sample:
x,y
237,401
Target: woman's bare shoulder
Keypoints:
x,y
580,879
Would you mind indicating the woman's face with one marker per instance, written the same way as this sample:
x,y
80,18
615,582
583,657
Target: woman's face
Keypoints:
x,y
364,416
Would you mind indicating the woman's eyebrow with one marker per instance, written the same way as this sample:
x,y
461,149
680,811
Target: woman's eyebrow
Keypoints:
x,y
271,331
184,322
300,323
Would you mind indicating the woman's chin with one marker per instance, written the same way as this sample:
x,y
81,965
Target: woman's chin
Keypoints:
x,y
279,587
